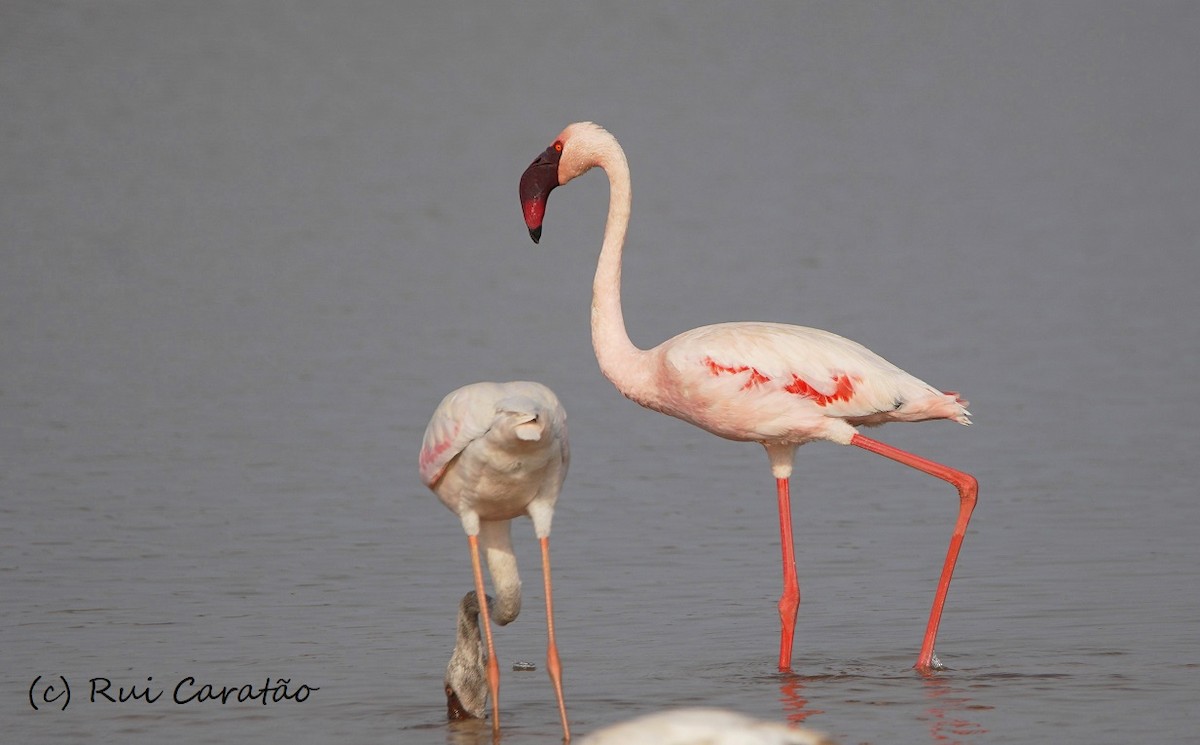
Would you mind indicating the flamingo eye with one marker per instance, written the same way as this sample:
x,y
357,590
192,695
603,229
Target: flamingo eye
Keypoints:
x,y
558,146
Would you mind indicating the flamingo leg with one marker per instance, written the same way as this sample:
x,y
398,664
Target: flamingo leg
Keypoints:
x,y
789,602
493,667
553,666
968,490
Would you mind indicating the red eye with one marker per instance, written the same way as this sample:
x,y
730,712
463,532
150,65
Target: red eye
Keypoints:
x,y
558,146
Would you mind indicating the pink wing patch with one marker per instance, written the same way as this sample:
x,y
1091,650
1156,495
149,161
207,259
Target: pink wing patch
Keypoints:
x,y
437,455
756,378
843,385
844,390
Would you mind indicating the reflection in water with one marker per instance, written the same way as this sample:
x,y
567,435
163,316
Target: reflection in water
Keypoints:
x,y
791,695
946,705
946,710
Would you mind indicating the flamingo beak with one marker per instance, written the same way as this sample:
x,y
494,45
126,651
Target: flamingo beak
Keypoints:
x,y
455,711
539,179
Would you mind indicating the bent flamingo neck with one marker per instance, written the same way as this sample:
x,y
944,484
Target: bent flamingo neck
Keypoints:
x,y
620,360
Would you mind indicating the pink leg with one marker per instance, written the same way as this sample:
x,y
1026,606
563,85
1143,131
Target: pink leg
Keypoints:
x,y
493,667
553,666
968,490
789,603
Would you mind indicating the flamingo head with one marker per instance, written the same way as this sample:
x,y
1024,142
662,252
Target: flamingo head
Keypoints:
x,y
539,179
472,706
579,147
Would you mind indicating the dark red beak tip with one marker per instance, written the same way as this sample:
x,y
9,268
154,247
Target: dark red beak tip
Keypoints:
x,y
538,180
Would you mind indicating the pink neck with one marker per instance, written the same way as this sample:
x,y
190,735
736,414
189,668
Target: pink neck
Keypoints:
x,y
620,361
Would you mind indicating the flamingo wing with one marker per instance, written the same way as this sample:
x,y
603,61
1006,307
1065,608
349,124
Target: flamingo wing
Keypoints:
x,y
468,413
780,364
463,416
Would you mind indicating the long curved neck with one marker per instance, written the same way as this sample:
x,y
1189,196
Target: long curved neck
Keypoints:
x,y
466,677
495,538
468,642
620,361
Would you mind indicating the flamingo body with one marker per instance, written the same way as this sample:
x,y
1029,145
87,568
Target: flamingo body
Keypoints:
x,y
776,383
779,385
493,452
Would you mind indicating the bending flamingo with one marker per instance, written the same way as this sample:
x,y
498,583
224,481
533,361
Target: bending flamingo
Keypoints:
x,y
771,383
492,452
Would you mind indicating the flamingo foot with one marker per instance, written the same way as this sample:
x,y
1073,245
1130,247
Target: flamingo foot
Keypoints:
x,y
931,666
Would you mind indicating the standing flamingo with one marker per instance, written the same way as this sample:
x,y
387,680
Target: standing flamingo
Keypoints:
x,y
492,452
775,384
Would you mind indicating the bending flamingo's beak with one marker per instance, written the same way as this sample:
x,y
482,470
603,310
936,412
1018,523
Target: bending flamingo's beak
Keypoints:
x,y
455,711
539,179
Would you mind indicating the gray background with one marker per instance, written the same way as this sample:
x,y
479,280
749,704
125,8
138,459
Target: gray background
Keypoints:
x,y
247,247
